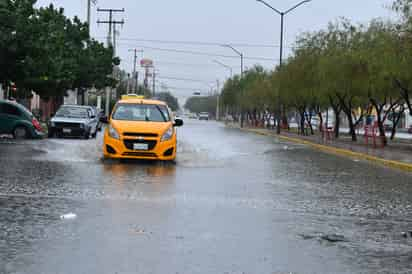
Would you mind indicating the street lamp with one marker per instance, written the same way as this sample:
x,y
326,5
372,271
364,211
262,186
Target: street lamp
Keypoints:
x,y
241,57
282,15
226,66
241,77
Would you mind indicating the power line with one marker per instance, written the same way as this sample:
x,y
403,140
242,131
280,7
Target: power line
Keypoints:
x,y
199,43
180,88
183,79
179,64
206,53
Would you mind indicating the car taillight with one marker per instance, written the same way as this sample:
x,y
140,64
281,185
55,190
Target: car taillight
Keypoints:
x,y
36,124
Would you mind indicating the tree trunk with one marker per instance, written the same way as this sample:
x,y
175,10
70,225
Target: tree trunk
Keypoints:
x,y
309,120
381,127
405,94
321,129
337,124
347,109
352,130
302,122
337,109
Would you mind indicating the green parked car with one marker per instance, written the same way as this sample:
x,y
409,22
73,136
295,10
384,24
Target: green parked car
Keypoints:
x,y
17,120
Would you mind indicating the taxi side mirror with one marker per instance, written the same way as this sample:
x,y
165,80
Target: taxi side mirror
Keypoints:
x,y
178,123
104,120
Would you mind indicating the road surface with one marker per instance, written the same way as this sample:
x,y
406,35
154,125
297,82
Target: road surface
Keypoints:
x,y
234,202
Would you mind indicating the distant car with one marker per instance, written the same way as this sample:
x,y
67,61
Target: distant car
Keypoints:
x,y
204,116
192,116
74,121
17,120
98,113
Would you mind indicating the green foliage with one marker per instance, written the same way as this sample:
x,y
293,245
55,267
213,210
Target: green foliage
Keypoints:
x,y
167,97
43,50
199,104
355,69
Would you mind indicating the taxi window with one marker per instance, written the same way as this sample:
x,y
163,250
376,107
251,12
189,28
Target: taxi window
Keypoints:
x,y
141,112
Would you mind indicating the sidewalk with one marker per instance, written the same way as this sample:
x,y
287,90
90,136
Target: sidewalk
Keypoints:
x,y
398,154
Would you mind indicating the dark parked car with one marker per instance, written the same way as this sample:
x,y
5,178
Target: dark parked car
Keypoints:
x,y
17,120
74,121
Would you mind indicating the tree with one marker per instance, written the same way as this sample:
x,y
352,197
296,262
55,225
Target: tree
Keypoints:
x,y
16,37
197,104
167,97
43,50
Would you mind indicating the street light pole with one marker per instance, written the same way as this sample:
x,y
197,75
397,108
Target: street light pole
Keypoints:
x,y
241,57
241,77
226,66
282,17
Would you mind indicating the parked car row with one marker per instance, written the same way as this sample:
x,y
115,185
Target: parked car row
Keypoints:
x,y
69,121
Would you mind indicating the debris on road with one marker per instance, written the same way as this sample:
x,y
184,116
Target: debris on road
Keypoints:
x,y
68,216
333,238
139,231
407,234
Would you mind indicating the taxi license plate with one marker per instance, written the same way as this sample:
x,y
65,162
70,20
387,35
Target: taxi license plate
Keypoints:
x,y
67,130
137,146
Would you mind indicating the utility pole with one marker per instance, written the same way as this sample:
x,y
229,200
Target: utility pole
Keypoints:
x,y
135,72
89,7
217,100
111,23
154,83
89,4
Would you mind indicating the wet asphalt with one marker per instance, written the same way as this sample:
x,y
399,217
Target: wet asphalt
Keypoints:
x,y
233,202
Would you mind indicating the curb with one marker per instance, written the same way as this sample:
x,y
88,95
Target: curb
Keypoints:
x,y
340,151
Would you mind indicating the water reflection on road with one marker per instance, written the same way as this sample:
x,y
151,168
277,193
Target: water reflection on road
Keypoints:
x,y
233,202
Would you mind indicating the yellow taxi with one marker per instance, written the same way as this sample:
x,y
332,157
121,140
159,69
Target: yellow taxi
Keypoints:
x,y
140,128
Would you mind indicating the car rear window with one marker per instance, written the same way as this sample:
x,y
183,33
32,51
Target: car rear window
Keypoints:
x,y
72,112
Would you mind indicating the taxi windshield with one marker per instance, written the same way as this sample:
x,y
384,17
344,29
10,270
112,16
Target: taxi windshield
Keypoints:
x,y
141,112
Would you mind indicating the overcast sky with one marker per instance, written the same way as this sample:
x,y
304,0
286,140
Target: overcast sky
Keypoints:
x,y
237,22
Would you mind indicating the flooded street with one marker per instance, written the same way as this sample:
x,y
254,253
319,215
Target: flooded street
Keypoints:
x,y
233,202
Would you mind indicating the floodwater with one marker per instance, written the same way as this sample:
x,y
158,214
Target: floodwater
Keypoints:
x,y
233,202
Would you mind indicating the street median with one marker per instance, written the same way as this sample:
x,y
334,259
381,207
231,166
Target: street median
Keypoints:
x,y
340,149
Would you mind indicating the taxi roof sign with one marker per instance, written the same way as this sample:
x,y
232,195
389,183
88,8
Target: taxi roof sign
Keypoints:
x,y
132,96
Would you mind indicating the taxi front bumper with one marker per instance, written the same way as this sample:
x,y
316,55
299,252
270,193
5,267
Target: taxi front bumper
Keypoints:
x,y
123,149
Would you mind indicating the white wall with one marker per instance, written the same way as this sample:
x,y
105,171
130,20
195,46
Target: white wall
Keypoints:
x,y
35,101
408,119
71,98
1,92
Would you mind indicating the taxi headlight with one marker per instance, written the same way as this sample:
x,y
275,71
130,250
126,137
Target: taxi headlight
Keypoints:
x,y
167,135
113,133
